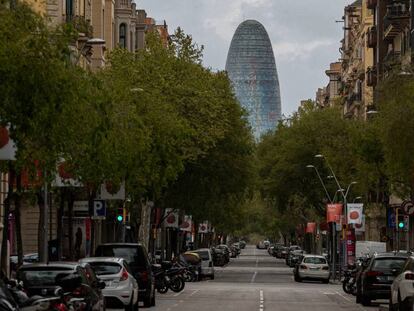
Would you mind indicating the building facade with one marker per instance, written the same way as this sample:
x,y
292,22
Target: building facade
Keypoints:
x,y
252,69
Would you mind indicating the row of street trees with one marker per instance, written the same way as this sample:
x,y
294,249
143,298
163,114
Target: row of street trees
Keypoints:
x,y
156,119
377,153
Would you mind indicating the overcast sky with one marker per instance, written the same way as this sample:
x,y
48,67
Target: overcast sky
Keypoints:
x,y
304,35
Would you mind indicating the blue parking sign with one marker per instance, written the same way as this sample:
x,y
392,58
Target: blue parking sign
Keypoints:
x,y
99,208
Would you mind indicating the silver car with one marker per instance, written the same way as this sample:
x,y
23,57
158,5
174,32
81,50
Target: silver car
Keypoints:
x,y
207,267
121,288
314,267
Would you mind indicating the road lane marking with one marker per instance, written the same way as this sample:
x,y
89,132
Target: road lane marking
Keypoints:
x,y
261,308
194,292
176,295
253,277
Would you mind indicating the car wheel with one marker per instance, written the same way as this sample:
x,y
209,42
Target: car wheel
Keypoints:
x,y
365,300
147,301
391,306
298,278
130,306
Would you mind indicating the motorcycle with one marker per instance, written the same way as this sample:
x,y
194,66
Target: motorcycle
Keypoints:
x,y
13,298
168,277
349,281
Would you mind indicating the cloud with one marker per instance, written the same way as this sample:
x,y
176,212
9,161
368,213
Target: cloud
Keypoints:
x,y
293,50
228,14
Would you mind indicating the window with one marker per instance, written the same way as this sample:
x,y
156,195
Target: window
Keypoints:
x,y
69,9
122,36
315,260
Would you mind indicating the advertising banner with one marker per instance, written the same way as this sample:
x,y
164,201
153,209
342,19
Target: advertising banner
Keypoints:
x,y
334,212
355,211
360,228
350,246
81,237
311,227
7,145
187,224
171,218
203,227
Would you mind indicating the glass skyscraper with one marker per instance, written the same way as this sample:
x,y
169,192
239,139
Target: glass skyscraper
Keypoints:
x,y
252,69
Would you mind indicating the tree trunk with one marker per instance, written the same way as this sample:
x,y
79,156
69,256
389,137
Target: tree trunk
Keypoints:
x,y
59,229
4,244
17,217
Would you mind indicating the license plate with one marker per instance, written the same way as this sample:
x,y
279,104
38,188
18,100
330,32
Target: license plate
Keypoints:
x,y
314,268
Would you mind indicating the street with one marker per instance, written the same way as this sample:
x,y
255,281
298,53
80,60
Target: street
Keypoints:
x,y
257,281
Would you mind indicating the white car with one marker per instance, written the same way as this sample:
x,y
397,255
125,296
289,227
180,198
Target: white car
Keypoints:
x,y
314,267
207,267
402,288
121,288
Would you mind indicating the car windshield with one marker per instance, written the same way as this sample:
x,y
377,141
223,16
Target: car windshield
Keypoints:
x,y
315,260
388,264
105,268
204,255
133,255
42,276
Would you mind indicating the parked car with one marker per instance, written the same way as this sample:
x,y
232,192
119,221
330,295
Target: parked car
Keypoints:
x,y
242,244
43,280
121,288
261,245
295,257
137,259
219,259
266,243
227,251
375,281
312,267
289,250
402,288
281,252
207,266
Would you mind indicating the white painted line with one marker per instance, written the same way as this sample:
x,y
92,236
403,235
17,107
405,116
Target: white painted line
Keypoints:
x,y
178,294
194,292
253,277
261,308
346,298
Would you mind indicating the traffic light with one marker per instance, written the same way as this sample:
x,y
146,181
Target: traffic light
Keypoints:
x,y
403,222
120,215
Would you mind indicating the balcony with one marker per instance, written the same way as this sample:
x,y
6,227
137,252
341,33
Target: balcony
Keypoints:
x,y
397,16
371,76
371,4
372,37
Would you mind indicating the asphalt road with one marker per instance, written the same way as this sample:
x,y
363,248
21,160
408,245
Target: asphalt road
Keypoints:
x,y
255,282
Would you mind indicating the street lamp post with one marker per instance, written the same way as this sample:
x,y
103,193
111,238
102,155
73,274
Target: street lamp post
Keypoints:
x,y
321,180
344,197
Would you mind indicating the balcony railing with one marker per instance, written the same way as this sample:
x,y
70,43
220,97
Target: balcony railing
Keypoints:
x,y
372,37
371,76
371,4
397,16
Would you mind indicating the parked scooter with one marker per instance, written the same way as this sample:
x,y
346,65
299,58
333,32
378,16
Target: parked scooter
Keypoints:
x,y
13,298
349,280
168,277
